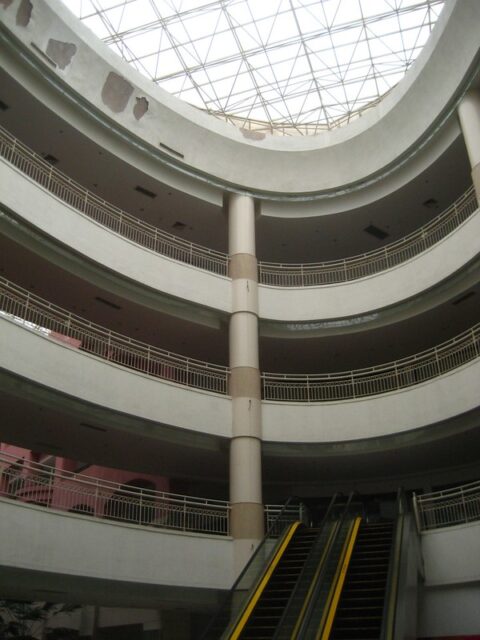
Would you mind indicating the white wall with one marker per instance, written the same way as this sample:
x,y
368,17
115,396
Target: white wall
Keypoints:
x,y
34,538
450,602
459,549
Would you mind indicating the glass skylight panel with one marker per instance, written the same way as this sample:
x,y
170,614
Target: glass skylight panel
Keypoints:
x,y
285,66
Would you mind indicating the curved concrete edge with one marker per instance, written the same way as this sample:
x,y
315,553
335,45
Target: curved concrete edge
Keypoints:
x,y
391,414
87,551
216,152
139,272
389,296
73,373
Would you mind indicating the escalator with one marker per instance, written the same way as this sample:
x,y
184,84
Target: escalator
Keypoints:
x,y
360,609
336,581
264,620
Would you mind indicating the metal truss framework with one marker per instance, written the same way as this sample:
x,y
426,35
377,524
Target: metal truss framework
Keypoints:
x,y
284,66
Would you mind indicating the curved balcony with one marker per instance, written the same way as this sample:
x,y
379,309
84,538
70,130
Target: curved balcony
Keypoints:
x,y
34,313
273,275
392,376
447,508
49,320
106,214
43,485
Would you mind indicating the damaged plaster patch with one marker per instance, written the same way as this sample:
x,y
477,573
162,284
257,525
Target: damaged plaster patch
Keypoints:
x,y
5,3
116,92
61,52
140,108
252,135
24,13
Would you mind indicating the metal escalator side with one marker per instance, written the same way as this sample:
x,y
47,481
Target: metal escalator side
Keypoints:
x,y
234,603
249,614
405,573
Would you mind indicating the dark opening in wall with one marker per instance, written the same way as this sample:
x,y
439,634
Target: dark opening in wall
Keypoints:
x,y
3,106
376,232
431,203
179,225
49,158
145,192
107,302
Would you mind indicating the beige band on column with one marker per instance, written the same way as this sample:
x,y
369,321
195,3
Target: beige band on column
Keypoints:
x,y
246,520
243,265
245,382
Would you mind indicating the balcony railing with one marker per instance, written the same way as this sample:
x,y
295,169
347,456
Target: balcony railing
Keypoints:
x,y
270,273
447,508
64,491
49,487
106,214
380,379
36,314
41,316
367,264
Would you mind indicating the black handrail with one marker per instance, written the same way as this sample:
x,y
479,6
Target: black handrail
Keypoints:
x,y
227,599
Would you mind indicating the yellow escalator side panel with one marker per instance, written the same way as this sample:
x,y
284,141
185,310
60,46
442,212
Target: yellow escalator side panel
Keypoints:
x,y
339,581
313,583
263,583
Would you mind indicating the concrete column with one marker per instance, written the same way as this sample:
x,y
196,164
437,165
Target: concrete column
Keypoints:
x,y
469,115
245,448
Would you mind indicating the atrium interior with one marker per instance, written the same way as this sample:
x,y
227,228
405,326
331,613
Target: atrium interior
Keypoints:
x,y
252,280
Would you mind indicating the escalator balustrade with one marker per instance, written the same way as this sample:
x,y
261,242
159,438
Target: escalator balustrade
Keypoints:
x,y
265,617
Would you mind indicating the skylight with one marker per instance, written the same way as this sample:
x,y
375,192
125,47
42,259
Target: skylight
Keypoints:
x,y
284,66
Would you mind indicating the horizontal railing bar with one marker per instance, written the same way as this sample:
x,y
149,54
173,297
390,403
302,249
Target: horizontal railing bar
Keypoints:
x,y
270,273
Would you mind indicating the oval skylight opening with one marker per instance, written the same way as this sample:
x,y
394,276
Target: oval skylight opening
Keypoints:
x,y
285,66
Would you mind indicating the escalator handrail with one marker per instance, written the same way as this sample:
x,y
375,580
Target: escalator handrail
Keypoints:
x,y
240,577
393,575
323,524
259,588
339,580
303,624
